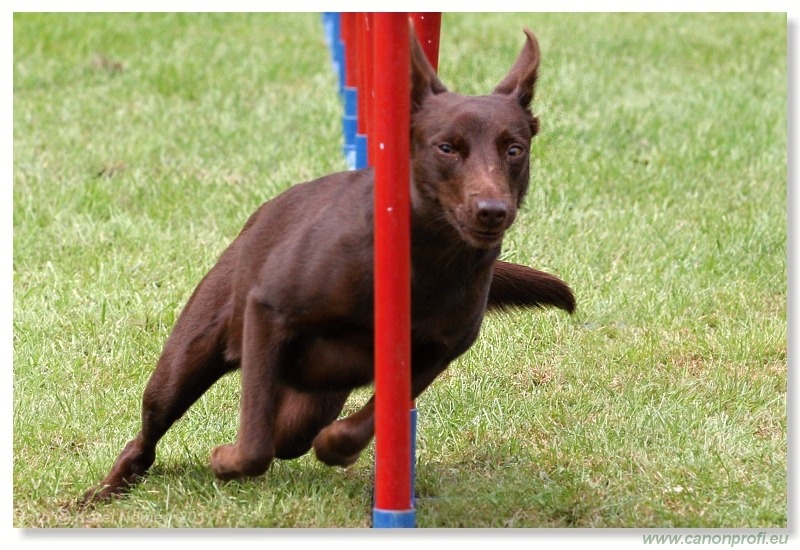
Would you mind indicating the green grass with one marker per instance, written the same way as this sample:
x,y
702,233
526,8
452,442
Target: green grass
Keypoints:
x,y
143,142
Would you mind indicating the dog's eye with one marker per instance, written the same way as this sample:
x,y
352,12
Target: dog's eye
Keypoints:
x,y
446,148
515,151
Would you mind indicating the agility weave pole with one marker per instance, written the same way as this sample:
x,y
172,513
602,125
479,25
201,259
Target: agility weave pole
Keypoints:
x,y
371,52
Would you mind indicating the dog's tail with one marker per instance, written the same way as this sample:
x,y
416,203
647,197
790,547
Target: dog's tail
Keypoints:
x,y
516,285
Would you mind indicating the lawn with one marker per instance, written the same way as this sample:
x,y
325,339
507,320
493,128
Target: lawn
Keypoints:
x,y
142,142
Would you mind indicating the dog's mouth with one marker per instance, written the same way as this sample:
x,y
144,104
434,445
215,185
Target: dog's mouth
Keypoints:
x,y
483,238
475,237
480,238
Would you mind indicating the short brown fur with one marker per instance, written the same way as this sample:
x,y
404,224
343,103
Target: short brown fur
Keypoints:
x,y
290,301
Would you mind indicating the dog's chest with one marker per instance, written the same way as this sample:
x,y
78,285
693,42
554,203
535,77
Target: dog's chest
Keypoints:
x,y
448,316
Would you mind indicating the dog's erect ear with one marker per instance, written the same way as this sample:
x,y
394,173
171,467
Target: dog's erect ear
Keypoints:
x,y
521,79
424,81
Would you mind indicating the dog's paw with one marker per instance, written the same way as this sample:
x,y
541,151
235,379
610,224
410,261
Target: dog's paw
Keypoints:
x,y
90,498
328,449
223,462
330,458
228,462
111,488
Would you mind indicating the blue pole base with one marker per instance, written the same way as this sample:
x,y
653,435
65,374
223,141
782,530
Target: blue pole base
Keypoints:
x,y
350,126
393,519
350,157
361,152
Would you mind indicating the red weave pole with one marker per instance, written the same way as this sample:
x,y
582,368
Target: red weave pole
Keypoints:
x,y
428,28
364,86
364,51
390,134
349,38
369,82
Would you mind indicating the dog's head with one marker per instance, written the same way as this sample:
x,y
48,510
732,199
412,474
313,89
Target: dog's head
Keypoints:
x,y
470,155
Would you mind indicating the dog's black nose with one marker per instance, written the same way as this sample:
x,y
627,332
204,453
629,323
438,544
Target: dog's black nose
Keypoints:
x,y
492,213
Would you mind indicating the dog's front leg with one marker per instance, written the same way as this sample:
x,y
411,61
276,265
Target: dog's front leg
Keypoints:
x,y
254,449
341,443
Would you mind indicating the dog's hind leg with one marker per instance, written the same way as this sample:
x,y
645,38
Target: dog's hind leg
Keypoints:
x,y
192,360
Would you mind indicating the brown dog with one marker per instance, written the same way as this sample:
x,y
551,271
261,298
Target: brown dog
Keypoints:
x,y
290,301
